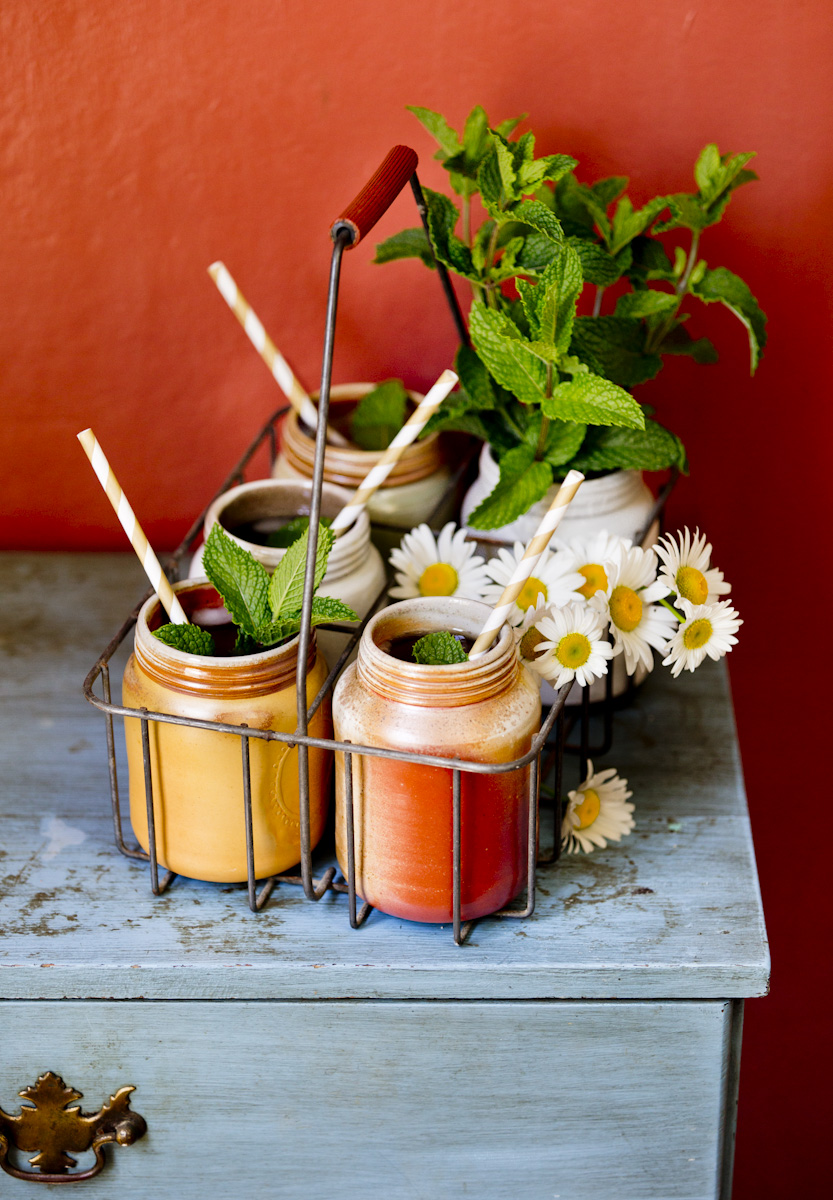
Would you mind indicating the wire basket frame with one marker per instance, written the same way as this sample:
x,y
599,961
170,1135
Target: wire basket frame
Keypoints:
x,y
551,736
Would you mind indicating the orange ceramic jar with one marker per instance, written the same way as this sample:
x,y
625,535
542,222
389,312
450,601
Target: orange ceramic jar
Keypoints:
x,y
197,773
487,710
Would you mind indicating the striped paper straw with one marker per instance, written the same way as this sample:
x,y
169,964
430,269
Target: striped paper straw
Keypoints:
x,y
268,351
526,567
132,528
411,430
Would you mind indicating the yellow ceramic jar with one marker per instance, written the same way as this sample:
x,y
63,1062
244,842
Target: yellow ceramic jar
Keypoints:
x,y
197,773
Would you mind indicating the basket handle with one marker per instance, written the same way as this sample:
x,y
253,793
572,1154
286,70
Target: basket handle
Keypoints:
x,y
377,195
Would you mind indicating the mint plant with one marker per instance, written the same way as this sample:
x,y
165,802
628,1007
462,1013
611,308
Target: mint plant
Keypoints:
x,y
265,610
546,388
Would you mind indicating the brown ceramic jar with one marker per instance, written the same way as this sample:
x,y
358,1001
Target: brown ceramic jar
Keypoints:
x,y
486,710
409,494
197,773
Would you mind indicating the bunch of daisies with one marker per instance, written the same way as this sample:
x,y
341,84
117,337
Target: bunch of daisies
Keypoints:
x,y
590,600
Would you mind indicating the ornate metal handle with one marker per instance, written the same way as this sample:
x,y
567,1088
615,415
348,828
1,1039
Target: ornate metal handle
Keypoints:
x,y
49,1127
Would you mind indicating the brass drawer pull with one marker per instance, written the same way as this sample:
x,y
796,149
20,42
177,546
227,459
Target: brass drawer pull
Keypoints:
x,y
51,1129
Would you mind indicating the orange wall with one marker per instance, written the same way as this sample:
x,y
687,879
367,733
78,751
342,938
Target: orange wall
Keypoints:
x,y
141,141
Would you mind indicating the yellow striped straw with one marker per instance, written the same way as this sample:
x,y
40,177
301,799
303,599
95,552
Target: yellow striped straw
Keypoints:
x,y
134,531
529,562
409,432
279,368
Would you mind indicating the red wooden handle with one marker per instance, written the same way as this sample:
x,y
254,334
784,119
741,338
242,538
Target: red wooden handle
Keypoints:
x,y
378,193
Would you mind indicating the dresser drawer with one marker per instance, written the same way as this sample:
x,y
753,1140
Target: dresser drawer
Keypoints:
x,y
512,1101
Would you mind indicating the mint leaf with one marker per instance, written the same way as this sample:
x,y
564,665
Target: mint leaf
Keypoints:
x,y
522,482
615,348
281,539
648,449
557,292
592,400
439,649
449,249
647,303
628,222
379,416
679,341
536,214
508,127
499,344
649,261
189,638
721,285
598,265
244,644
563,442
409,243
324,610
286,587
607,190
239,578
327,608
438,127
714,174
474,379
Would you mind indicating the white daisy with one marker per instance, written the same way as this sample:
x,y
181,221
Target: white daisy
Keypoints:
x,y
588,556
707,629
685,568
572,646
442,566
597,812
527,636
554,580
636,621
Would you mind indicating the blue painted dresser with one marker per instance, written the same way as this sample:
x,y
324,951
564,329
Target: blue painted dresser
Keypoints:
x,y
588,1053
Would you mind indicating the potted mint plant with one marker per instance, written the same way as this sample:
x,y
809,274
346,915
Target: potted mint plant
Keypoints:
x,y
545,388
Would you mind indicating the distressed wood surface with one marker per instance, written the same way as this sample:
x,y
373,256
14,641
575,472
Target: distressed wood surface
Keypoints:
x,y
406,1101
674,911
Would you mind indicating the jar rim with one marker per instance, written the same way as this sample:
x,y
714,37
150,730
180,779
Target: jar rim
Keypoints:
x,y
333,498
206,674
436,686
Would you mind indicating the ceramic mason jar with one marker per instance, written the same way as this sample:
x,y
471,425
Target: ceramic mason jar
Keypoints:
x,y
410,493
487,710
619,502
355,571
197,773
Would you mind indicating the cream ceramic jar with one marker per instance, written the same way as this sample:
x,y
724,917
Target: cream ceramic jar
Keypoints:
x,y
408,496
487,710
197,773
355,571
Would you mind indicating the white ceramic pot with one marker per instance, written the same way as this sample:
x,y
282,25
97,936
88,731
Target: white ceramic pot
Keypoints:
x,y
355,571
619,503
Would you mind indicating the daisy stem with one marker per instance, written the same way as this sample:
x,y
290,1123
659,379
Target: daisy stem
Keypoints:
x,y
672,609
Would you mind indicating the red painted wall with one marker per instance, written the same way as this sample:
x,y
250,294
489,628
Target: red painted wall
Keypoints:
x,y
141,141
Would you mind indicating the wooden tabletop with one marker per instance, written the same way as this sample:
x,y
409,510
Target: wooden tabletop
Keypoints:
x,y
674,911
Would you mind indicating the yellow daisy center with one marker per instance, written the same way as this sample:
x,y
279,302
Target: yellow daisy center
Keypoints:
x,y
692,585
596,577
529,593
697,634
589,808
573,650
532,638
625,608
440,579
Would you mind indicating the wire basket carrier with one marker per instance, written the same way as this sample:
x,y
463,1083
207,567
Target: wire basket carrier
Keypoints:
x,y
397,169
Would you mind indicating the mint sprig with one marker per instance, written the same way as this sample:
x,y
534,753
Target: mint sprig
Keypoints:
x,y
440,649
266,611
